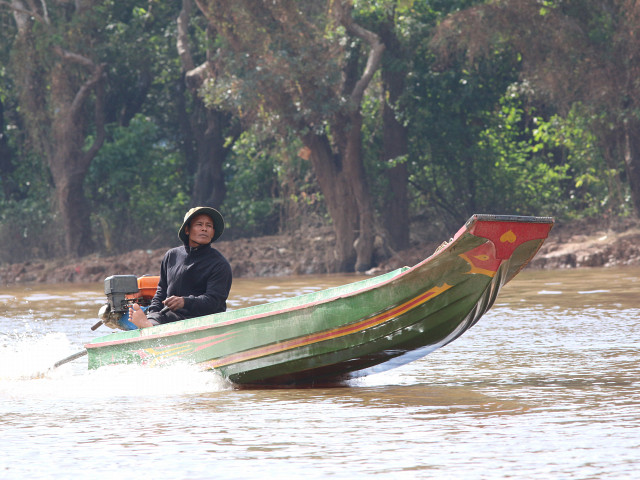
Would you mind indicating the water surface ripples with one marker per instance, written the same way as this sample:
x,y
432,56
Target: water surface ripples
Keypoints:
x,y
544,386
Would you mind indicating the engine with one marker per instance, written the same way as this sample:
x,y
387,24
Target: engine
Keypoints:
x,y
122,291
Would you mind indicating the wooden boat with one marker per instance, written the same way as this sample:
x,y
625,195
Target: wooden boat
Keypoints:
x,y
348,331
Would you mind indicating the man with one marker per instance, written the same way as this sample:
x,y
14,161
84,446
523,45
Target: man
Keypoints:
x,y
195,278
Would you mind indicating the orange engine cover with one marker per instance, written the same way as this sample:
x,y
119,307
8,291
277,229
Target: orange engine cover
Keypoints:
x,y
147,286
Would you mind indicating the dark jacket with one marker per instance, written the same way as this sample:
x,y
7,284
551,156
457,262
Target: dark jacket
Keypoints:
x,y
201,275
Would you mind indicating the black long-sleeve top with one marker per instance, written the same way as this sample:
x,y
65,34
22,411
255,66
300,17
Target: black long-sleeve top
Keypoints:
x,y
201,275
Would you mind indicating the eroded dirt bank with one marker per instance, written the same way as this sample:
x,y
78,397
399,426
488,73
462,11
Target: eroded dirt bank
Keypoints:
x,y
578,244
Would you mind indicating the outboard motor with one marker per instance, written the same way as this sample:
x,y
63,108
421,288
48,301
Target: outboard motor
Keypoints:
x,y
122,291
117,288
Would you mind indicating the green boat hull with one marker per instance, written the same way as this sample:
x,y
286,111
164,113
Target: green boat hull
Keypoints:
x,y
348,331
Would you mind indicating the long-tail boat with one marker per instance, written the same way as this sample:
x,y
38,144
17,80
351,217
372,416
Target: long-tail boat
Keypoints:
x,y
344,332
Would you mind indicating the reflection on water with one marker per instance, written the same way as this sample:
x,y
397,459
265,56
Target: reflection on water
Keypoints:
x,y
544,386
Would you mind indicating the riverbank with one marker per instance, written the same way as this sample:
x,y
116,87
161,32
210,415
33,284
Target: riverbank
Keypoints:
x,y
602,243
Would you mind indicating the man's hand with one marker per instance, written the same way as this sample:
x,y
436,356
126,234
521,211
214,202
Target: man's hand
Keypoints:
x,y
174,303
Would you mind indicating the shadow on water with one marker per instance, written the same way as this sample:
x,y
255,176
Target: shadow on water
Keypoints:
x,y
446,399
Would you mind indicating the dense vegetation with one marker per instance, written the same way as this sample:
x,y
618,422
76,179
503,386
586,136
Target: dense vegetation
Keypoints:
x,y
117,116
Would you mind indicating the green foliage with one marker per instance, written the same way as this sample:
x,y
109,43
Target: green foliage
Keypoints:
x,y
516,163
28,228
476,142
139,47
453,171
592,188
137,188
250,207
270,187
526,176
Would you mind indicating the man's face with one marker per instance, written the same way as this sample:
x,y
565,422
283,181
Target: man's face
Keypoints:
x,y
200,230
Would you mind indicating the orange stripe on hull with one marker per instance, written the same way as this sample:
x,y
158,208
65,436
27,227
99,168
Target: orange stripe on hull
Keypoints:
x,y
338,332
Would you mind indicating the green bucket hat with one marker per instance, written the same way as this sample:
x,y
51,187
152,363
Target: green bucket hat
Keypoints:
x,y
218,222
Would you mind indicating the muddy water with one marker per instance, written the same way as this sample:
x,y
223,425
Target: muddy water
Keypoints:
x,y
546,385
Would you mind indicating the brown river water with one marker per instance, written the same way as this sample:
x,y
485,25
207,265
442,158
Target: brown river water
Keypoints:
x,y
545,386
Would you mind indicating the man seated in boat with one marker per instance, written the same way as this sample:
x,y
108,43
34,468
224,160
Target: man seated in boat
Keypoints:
x,y
195,278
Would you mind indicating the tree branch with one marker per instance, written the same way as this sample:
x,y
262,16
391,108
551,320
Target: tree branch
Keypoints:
x,y
375,53
182,41
86,87
196,76
19,8
73,57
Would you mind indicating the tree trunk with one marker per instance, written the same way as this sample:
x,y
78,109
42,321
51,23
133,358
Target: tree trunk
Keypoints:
x,y
68,171
394,145
347,128
59,97
339,199
342,179
74,211
209,129
356,175
209,186
208,182
68,163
